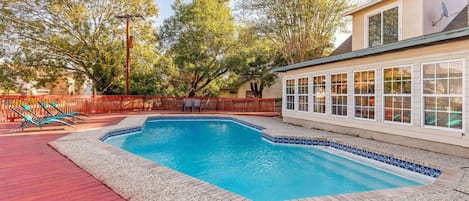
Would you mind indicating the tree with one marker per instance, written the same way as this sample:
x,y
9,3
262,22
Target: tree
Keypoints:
x,y
199,37
256,56
79,36
301,29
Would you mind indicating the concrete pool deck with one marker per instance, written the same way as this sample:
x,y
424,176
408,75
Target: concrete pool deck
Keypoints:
x,y
136,178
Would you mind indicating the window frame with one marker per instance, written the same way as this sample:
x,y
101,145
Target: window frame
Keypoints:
x,y
346,94
381,10
288,94
412,113
305,95
355,95
422,96
313,95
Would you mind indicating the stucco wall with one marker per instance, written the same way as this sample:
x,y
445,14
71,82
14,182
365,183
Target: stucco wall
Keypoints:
x,y
415,57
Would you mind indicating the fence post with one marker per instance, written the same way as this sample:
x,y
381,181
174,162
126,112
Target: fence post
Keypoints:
x,y
1,110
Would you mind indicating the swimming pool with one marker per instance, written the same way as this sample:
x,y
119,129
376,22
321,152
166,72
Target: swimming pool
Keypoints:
x,y
236,158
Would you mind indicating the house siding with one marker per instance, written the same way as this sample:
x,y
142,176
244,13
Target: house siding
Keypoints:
x,y
377,128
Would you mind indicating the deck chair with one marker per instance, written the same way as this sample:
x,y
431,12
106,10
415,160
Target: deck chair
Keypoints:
x,y
187,102
36,117
72,114
28,120
196,103
62,116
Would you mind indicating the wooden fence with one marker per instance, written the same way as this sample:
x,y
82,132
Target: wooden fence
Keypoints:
x,y
105,104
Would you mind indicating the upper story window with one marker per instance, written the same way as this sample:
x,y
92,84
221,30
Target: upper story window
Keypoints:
x,y
383,27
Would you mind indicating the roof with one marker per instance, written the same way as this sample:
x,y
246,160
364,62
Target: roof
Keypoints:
x,y
345,47
364,6
459,21
431,39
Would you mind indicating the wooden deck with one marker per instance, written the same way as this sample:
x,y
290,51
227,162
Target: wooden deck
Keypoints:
x,y
32,170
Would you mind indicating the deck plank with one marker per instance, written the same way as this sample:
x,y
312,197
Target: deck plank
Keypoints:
x,y
32,170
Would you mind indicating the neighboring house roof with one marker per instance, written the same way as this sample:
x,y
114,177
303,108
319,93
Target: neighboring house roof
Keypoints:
x,y
345,47
431,39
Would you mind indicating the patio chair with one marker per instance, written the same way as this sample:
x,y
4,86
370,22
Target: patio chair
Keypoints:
x,y
73,114
62,116
191,103
36,117
28,120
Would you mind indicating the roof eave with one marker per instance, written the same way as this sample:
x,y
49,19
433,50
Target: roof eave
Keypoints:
x,y
364,6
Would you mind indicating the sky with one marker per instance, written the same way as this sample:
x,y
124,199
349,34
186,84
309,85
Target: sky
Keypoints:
x,y
166,11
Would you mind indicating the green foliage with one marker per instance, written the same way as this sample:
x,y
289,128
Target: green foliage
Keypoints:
x,y
255,57
80,36
199,37
301,29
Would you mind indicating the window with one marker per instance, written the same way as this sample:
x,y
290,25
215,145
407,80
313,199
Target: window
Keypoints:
x,y
364,95
339,94
397,94
319,94
383,28
442,94
303,94
290,94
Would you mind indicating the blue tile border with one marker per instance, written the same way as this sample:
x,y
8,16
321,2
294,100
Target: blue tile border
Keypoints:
x,y
206,118
138,129
120,132
388,159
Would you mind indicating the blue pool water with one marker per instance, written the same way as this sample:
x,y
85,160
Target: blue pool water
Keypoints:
x,y
235,158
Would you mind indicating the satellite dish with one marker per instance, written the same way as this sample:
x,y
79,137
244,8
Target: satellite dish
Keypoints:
x,y
444,13
444,9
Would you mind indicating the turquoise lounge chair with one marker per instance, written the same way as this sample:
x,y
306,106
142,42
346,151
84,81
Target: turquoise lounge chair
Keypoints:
x,y
71,114
36,117
49,113
28,120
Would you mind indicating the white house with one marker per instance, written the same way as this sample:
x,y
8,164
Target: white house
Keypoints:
x,y
402,77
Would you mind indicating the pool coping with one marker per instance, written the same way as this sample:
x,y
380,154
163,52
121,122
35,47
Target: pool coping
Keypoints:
x,y
136,178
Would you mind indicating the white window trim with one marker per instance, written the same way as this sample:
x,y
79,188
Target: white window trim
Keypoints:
x,y
285,94
346,95
406,95
313,94
306,94
422,97
355,95
380,10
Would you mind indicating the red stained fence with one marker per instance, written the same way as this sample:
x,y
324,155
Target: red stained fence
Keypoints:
x,y
104,104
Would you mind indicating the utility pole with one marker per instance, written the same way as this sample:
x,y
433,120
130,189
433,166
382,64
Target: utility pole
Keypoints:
x,y
129,44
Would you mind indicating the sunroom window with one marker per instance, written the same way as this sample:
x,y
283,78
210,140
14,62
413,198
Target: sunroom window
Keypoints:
x,y
303,94
443,94
364,93
319,94
383,28
339,94
397,94
290,94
